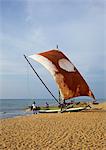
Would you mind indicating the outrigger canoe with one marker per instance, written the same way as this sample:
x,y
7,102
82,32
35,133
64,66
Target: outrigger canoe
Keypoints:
x,y
70,82
64,110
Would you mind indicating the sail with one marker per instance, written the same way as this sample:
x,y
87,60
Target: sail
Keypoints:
x,y
69,81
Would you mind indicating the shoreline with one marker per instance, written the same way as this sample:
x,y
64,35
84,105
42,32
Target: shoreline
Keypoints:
x,y
26,112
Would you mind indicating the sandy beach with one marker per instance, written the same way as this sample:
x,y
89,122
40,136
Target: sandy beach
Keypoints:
x,y
62,131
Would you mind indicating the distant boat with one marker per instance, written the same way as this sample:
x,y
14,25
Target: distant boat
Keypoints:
x,y
69,81
95,102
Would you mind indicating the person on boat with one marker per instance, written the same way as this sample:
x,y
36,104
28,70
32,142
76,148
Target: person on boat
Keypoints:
x,y
47,105
34,108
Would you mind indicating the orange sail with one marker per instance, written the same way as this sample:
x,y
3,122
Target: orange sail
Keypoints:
x,y
70,82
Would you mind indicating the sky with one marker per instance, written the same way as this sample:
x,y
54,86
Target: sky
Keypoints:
x,y
33,26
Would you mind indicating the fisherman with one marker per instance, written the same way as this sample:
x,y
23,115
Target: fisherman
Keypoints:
x,y
47,105
34,108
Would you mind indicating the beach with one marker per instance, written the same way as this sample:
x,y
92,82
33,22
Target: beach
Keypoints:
x,y
83,130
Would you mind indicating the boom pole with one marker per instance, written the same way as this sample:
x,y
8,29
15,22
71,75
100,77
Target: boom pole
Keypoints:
x,y
41,79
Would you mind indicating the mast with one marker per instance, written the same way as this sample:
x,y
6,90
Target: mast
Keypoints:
x,y
41,80
57,46
60,99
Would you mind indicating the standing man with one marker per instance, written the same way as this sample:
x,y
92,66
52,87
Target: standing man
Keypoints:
x,y
34,108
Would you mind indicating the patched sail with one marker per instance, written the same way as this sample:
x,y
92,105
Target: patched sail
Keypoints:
x,y
70,82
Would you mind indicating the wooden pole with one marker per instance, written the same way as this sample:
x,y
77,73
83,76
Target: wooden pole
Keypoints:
x,y
41,79
57,47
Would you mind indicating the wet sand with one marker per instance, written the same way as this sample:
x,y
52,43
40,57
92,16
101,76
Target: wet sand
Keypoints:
x,y
63,131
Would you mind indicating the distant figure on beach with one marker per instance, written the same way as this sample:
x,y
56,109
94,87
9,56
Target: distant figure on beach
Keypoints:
x,y
34,108
47,105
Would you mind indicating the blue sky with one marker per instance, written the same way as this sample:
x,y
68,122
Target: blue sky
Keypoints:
x,y
32,26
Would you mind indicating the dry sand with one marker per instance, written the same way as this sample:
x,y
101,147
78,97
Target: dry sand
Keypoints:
x,y
66,131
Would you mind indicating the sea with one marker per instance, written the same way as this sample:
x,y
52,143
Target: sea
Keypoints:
x,y
18,107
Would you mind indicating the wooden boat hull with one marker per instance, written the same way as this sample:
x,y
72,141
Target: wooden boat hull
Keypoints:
x,y
65,110
49,111
74,109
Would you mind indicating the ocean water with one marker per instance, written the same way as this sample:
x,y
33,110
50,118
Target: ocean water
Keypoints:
x,y
17,107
